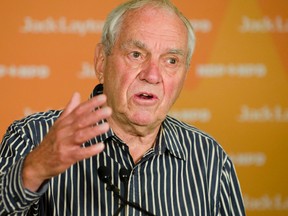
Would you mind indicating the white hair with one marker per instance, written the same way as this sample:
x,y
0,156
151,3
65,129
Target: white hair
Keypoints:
x,y
115,19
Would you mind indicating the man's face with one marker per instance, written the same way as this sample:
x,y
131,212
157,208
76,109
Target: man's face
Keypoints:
x,y
145,72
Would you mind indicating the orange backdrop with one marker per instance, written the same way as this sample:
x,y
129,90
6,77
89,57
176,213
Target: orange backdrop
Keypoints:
x,y
236,90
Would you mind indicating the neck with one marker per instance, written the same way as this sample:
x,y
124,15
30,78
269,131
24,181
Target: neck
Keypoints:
x,y
138,138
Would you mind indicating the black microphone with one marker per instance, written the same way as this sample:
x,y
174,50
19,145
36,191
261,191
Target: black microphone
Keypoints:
x,y
124,177
105,176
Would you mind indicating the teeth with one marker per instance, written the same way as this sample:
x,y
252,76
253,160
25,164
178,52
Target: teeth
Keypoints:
x,y
146,96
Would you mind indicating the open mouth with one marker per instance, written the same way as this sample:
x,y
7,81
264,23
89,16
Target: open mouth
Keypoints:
x,y
146,96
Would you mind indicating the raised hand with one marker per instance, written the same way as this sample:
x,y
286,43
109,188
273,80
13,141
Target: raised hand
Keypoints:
x,y
62,146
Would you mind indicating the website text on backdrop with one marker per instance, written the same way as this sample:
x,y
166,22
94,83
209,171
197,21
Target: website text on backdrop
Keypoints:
x,y
119,152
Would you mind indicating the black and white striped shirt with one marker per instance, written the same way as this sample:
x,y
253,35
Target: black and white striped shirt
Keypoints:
x,y
186,173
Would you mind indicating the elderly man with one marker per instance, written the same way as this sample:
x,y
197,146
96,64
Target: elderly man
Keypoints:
x,y
70,162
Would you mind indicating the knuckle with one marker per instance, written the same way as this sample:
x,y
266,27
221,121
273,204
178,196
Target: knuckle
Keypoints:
x,y
79,136
79,110
79,124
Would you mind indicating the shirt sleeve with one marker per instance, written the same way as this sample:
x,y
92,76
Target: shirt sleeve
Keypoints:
x,y
231,201
14,199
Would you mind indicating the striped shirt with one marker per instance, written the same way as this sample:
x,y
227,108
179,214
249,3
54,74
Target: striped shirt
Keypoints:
x,y
186,173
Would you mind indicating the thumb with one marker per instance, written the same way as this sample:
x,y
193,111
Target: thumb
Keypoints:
x,y
72,104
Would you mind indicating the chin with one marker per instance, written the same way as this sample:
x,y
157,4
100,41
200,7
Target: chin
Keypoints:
x,y
146,120
142,122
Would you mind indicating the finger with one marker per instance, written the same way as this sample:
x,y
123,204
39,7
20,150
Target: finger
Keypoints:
x,y
90,151
84,127
80,115
90,105
90,119
84,114
88,133
74,123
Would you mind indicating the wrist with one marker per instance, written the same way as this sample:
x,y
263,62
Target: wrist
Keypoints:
x,y
30,176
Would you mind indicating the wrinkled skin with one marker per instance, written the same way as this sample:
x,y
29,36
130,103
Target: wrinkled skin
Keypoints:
x,y
144,74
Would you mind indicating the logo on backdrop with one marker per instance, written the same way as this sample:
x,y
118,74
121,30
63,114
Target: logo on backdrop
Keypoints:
x,y
265,24
192,115
87,71
83,27
248,158
265,113
201,25
25,71
231,70
266,202
61,25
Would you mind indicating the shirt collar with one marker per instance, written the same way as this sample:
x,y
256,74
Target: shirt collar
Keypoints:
x,y
168,138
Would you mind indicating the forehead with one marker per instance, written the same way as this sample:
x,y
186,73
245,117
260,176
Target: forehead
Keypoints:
x,y
153,24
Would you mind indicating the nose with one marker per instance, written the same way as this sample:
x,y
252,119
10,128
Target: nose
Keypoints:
x,y
151,73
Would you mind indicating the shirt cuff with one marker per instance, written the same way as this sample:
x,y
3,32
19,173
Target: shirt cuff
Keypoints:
x,y
15,196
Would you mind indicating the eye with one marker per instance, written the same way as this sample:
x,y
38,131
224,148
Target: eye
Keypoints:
x,y
135,54
172,61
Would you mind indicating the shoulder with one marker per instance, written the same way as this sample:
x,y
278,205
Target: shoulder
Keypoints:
x,y
34,125
181,127
195,140
48,117
24,134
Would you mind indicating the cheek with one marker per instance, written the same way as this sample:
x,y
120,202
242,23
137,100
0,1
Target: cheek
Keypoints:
x,y
118,71
117,83
173,89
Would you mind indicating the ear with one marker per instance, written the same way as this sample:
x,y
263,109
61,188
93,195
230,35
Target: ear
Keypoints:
x,y
99,62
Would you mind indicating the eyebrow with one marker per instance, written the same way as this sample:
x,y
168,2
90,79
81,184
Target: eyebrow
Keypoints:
x,y
176,51
135,43
141,45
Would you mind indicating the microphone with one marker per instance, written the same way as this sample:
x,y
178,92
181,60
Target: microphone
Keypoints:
x,y
105,176
124,177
